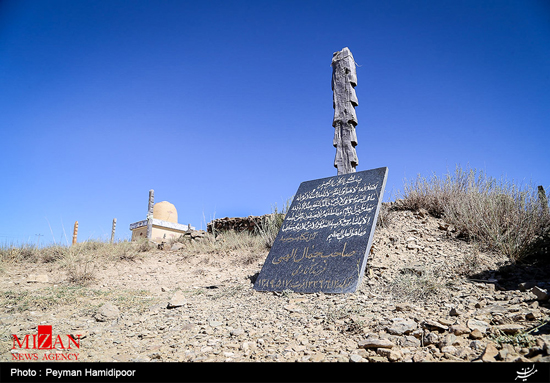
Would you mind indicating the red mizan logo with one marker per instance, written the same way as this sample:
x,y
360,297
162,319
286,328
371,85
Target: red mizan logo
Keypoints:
x,y
45,340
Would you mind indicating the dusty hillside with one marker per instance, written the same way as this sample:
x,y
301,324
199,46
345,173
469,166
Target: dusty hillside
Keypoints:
x,y
426,296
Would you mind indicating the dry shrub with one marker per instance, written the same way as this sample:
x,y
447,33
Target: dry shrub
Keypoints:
x,y
410,286
80,260
130,251
80,265
497,214
244,247
13,253
271,224
434,194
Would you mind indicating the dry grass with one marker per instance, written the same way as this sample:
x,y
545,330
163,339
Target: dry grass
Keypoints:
x,y
497,214
79,261
76,296
410,286
272,224
244,247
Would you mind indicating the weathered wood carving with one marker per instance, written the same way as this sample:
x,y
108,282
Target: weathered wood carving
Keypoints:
x,y
344,80
75,232
113,230
150,214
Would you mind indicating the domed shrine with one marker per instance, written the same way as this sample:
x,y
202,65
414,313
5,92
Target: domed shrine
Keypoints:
x,y
161,223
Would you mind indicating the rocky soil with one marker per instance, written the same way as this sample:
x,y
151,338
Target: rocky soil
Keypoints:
x,y
426,296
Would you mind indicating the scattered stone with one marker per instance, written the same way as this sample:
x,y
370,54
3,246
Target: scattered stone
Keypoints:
x,y
293,308
509,328
445,322
375,343
449,350
410,341
465,353
411,245
525,286
454,312
434,326
477,345
402,326
214,323
40,278
236,332
355,358
532,315
431,338
495,309
392,355
521,359
541,294
490,353
403,307
177,300
459,329
476,334
378,359
177,246
449,340
475,324
107,312
317,357
507,353
480,304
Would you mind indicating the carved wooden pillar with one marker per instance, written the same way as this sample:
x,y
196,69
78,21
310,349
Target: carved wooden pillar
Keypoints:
x,y
543,200
344,80
113,230
75,232
150,214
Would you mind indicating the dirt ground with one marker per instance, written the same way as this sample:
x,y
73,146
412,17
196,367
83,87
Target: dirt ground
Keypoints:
x,y
425,296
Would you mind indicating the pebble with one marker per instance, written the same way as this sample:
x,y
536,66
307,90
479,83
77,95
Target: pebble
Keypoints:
x,y
541,294
107,312
38,278
177,300
489,353
375,343
475,324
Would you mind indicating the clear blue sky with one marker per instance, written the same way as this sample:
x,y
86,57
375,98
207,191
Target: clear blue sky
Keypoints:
x,y
225,107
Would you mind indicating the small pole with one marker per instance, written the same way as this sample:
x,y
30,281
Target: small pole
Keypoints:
x,y
543,199
344,100
113,230
150,214
75,232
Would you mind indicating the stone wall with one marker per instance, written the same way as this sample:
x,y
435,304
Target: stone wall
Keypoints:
x,y
238,224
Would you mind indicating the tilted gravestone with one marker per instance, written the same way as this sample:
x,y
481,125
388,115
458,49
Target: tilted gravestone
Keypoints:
x,y
326,236
325,239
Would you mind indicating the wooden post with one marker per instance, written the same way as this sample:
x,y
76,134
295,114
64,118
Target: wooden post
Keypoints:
x,y
75,232
344,101
113,230
150,214
543,199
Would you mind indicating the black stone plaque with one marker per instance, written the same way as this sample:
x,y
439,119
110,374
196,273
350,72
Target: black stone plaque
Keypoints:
x,y
326,236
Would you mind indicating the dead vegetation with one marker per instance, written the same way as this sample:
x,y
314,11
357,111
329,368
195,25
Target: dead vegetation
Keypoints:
x,y
498,214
